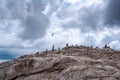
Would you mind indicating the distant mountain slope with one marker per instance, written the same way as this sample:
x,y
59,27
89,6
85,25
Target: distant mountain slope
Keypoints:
x,y
68,63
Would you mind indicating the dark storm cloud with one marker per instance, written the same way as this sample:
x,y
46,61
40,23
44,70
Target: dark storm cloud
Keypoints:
x,y
36,22
93,17
35,26
4,12
112,16
16,9
38,5
87,18
90,18
4,54
29,12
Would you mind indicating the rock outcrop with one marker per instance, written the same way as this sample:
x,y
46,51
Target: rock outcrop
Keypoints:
x,y
69,63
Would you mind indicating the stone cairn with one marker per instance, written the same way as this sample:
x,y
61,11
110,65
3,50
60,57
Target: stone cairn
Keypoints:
x,y
53,48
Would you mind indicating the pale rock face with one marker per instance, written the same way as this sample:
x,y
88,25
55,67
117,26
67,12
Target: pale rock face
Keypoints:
x,y
70,63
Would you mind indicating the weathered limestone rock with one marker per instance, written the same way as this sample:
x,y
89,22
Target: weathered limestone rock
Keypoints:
x,y
70,63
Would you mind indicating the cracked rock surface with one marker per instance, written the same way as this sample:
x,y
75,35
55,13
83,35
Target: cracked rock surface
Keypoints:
x,y
69,63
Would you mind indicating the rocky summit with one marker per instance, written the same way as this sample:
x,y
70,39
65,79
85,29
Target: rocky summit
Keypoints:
x,y
68,63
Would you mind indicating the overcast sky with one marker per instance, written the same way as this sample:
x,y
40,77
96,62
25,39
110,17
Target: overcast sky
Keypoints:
x,y
28,26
